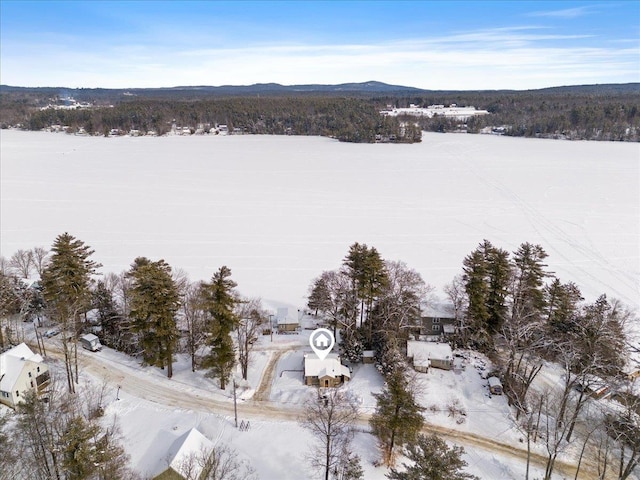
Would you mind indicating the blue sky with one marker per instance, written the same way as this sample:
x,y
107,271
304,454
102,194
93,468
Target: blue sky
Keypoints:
x,y
427,44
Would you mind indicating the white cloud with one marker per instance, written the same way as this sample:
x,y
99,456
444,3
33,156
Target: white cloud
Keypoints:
x,y
515,58
565,13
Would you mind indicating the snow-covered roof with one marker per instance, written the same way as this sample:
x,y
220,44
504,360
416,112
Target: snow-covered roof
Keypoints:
x,y
438,310
286,316
12,362
89,337
494,382
421,351
185,449
368,354
330,366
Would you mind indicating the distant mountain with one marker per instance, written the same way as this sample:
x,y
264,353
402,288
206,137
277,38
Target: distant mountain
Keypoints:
x,y
364,88
368,89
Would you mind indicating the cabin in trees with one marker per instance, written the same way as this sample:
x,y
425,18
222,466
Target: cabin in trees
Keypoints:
x,y
436,322
424,355
21,370
325,373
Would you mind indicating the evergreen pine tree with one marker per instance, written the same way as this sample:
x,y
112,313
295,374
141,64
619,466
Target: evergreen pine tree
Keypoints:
x,y
66,285
474,266
366,269
431,458
562,301
66,280
397,419
78,449
319,296
528,272
486,277
107,314
220,299
499,276
154,303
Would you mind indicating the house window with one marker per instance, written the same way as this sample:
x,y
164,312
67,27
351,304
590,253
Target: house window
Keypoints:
x,y
38,370
29,374
436,320
435,328
17,393
5,394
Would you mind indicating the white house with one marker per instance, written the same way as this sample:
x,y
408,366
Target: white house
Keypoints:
x,y
326,373
21,370
288,320
430,354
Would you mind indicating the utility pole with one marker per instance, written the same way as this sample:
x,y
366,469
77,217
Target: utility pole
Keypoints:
x,y
271,326
235,404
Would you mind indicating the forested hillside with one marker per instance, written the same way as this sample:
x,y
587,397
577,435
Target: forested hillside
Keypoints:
x,y
576,113
347,112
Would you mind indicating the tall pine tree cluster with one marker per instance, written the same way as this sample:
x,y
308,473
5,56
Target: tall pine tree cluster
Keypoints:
x,y
220,301
153,306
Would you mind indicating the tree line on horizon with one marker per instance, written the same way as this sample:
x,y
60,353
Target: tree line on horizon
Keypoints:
x,y
560,113
346,119
575,113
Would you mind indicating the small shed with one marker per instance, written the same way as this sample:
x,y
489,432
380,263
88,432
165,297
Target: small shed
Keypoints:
x,y
495,386
429,354
368,356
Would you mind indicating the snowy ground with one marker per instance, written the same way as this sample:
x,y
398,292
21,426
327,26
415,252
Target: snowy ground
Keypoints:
x,y
280,210
154,411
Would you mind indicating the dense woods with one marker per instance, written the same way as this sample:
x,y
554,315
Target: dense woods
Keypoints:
x,y
565,114
598,112
346,119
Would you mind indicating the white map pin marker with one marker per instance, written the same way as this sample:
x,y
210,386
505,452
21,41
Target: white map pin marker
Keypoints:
x,y
322,342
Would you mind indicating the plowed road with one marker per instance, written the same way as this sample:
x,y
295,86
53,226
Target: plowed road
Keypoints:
x,y
171,394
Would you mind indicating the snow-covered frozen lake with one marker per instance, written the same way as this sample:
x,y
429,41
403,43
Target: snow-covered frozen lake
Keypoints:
x,y
280,210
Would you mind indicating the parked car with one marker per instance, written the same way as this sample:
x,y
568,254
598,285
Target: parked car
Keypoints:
x,y
51,332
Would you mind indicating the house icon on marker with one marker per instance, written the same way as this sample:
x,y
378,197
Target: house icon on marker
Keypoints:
x,y
322,341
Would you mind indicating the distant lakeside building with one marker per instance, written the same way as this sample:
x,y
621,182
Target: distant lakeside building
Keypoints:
x,y
452,111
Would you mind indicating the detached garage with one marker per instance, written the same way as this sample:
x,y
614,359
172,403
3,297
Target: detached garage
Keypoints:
x,y
429,354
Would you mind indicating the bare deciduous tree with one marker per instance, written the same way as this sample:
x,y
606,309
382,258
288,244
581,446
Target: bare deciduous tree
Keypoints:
x,y
252,316
21,263
219,463
195,318
330,417
458,297
39,257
